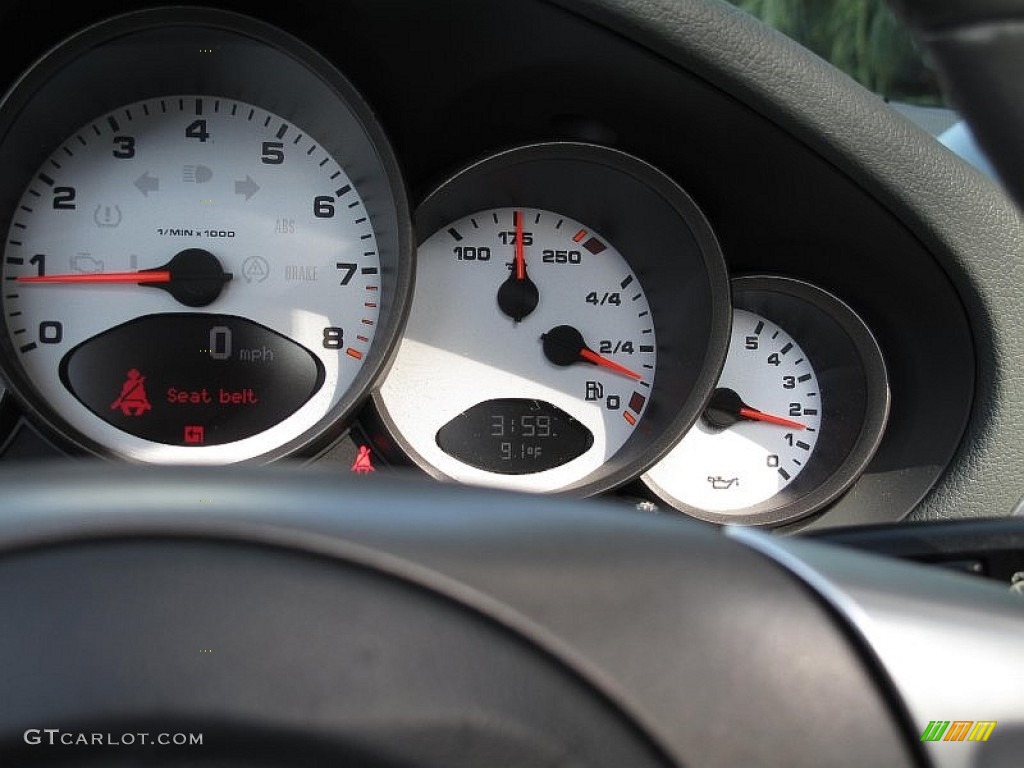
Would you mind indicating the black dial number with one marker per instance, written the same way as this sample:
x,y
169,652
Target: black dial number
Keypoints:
x,y
125,147
323,207
273,153
51,332
334,338
348,268
64,198
197,130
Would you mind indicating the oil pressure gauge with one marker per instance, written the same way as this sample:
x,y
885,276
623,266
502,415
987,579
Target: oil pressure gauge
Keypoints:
x,y
796,415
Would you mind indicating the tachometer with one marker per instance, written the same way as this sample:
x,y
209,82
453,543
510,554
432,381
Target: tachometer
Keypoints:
x,y
209,262
550,278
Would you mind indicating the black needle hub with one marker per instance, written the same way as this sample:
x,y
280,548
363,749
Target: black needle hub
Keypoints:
x,y
518,298
723,410
197,277
562,345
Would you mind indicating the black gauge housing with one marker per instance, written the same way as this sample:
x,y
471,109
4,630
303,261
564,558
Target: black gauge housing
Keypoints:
x,y
152,53
665,239
854,398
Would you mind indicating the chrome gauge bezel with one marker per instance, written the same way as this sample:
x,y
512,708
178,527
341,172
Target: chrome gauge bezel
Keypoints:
x,y
855,398
152,53
666,241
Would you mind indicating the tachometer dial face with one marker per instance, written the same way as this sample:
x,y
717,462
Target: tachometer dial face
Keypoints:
x,y
195,277
797,413
545,317
531,356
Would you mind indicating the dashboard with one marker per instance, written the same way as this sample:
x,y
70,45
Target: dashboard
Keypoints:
x,y
588,268
645,254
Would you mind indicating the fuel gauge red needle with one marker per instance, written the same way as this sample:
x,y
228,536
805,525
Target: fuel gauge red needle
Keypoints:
x,y
592,356
564,345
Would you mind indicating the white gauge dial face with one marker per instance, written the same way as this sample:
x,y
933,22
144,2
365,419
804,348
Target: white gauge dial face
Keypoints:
x,y
130,191
536,387
764,448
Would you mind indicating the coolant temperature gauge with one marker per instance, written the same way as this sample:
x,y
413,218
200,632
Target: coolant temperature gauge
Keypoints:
x,y
797,412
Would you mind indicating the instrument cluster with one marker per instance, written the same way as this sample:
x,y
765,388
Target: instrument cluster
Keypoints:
x,y
214,260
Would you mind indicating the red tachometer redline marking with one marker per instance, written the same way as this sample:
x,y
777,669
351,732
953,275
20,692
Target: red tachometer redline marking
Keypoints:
x,y
102,277
354,353
629,417
593,357
756,415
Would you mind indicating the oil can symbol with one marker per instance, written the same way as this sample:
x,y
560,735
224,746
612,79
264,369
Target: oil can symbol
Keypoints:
x,y
133,401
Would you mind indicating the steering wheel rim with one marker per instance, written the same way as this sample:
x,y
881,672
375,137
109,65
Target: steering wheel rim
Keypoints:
x,y
631,636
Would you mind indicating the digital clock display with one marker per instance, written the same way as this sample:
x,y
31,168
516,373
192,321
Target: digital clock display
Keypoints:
x,y
514,436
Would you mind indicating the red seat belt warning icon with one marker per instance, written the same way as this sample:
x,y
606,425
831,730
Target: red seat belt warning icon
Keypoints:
x,y
363,465
133,401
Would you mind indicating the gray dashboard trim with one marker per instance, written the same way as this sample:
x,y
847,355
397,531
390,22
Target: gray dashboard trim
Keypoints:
x,y
949,643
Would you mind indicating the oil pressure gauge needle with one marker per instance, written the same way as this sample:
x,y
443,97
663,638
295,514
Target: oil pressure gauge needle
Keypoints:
x,y
564,345
518,295
194,277
726,408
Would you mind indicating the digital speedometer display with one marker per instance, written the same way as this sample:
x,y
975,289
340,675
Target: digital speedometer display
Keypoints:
x,y
230,379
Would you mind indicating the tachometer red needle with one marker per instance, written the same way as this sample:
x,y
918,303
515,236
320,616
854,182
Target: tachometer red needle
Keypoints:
x,y
756,415
592,356
160,276
520,257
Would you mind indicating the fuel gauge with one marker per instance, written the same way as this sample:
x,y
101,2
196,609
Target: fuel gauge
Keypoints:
x,y
798,411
